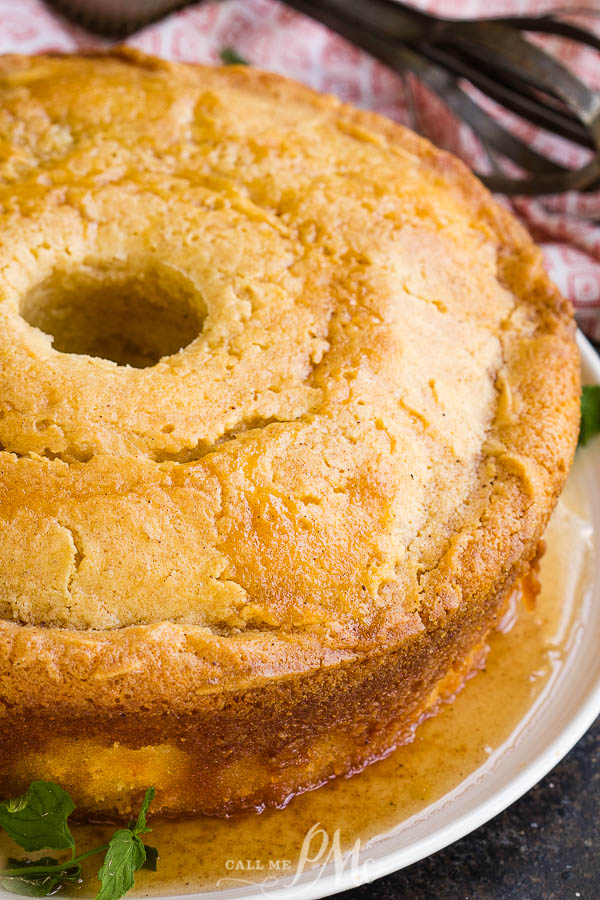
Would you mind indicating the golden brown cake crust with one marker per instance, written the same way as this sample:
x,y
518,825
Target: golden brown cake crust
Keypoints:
x,y
261,553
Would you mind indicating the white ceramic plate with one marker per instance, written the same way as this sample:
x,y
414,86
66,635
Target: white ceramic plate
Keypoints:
x,y
550,730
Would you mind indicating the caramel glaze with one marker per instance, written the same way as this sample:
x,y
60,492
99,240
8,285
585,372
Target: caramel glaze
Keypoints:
x,y
526,652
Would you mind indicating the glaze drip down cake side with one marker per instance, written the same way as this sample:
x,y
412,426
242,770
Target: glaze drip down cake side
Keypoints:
x,y
286,401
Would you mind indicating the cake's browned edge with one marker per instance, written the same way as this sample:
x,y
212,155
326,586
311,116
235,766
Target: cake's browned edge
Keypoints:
x,y
275,694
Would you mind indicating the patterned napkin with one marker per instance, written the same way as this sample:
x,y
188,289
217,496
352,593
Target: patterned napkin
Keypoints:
x,y
272,36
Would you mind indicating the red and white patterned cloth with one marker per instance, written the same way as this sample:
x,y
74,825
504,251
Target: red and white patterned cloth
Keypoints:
x,y
272,36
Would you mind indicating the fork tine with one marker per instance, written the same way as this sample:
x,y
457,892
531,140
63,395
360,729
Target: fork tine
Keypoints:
x,y
519,57
527,105
483,124
551,25
386,19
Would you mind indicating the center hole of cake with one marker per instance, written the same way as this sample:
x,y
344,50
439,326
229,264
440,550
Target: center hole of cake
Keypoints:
x,y
133,320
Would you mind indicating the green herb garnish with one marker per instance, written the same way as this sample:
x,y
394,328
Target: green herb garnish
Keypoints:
x,y
231,57
38,821
590,413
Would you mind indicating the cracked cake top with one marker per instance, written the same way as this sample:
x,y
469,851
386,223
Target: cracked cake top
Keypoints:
x,y
289,374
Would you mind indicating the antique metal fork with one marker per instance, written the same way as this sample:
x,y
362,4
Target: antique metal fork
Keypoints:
x,y
491,54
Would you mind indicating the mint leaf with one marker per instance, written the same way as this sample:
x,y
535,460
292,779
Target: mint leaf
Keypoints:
x,y
590,413
125,855
151,858
231,57
140,826
37,883
38,819
16,804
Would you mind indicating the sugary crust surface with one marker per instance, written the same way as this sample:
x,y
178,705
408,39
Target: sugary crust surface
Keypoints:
x,y
356,453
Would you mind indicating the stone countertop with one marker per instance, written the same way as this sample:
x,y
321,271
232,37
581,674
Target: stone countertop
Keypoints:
x,y
546,846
